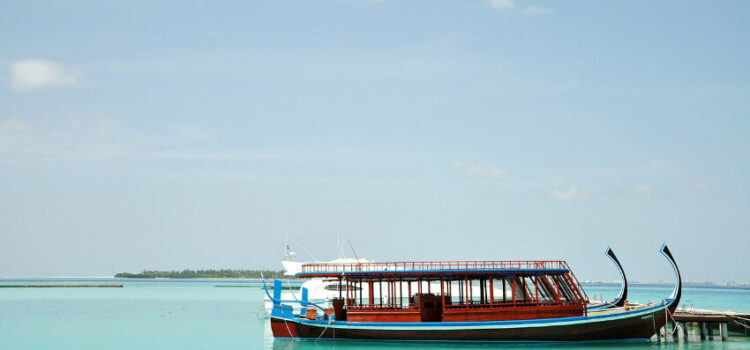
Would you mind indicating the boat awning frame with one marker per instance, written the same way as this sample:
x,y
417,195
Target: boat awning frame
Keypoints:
x,y
434,268
435,273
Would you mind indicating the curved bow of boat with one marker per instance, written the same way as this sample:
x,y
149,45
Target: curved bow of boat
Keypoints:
x,y
677,292
623,296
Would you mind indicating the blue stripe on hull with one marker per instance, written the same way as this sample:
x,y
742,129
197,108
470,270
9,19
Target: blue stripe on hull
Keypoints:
x,y
500,324
352,340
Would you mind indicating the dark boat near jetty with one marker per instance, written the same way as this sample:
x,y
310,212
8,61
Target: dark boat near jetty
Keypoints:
x,y
520,301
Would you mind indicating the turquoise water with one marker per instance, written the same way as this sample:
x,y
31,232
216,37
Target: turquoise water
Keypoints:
x,y
197,315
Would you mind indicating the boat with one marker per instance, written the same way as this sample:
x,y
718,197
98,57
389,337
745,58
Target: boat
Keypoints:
x,y
622,296
433,301
320,291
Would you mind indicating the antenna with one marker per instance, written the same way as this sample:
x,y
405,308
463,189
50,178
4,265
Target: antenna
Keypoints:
x,y
341,248
350,246
289,253
305,250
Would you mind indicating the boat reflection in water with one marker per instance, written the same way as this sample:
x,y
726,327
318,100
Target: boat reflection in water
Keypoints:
x,y
463,301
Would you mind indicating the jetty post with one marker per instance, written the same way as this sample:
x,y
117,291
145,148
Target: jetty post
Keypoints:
x,y
681,330
707,320
723,331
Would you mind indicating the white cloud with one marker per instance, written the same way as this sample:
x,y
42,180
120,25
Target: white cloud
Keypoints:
x,y
366,2
573,192
643,189
96,123
195,133
10,127
537,10
483,170
501,4
700,186
532,10
94,126
703,187
35,74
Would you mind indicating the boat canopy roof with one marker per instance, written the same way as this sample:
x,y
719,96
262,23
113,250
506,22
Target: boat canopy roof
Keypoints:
x,y
416,269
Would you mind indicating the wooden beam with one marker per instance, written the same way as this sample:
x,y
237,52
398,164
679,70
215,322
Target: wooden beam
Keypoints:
x,y
466,282
492,291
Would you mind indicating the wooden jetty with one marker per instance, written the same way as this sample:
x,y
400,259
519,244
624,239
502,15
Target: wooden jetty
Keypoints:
x,y
707,321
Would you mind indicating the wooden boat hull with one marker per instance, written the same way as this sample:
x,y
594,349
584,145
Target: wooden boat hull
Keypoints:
x,y
636,325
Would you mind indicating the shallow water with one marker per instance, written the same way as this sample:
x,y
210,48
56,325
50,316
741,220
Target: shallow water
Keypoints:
x,y
168,314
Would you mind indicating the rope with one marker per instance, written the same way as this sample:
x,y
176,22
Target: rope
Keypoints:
x,y
288,330
677,325
330,320
741,324
741,318
291,291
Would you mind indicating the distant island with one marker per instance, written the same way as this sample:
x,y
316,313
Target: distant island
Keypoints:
x,y
271,274
226,273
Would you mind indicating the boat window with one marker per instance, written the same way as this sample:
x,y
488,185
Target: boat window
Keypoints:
x,y
335,288
521,291
502,290
546,290
565,292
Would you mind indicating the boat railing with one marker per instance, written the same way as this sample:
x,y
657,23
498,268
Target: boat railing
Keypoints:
x,y
433,266
470,305
581,291
382,307
511,304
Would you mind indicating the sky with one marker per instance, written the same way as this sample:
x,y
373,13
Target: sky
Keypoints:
x,y
184,134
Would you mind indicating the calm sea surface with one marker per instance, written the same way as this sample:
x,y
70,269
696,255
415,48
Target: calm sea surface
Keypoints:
x,y
198,315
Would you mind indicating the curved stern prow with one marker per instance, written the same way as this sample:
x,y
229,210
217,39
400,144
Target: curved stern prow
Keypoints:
x,y
677,292
623,296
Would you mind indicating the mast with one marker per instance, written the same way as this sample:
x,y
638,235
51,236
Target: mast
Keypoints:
x,y
289,254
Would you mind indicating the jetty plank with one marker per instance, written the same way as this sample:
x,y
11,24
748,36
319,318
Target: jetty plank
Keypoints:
x,y
707,316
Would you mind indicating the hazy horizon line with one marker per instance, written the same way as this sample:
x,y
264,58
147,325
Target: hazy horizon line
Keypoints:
x,y
695,282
